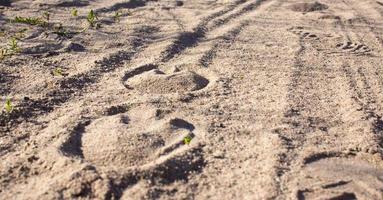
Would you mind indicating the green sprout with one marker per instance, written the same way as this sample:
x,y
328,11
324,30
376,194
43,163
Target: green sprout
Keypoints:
x,y
29,20
92,18
57,72
12,49
187,140
117,16
46,15
8,105
13,45
74,12
60,31
3,53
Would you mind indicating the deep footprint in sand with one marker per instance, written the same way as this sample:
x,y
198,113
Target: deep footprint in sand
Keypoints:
x,y
133,139
340,178
157,82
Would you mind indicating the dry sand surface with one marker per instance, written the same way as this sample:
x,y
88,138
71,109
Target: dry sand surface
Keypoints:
x,y
282,99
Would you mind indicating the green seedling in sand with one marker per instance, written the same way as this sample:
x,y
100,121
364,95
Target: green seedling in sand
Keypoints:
x,y
8,105
46,16
92,19
13,48
29,20
74,12
187,140
60,30
13,45
117,16
57,72
3,53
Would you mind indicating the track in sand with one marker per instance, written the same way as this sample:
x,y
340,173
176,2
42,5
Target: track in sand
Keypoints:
x,y
282,99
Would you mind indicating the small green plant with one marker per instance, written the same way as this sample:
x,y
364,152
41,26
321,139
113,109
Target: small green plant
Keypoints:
x,y
3,53
13,48
13,45
60,30
187,140
46,16
29,20
92,19
8,105
57,71
117,16
74,12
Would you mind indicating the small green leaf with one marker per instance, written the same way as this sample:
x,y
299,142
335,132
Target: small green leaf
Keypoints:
x,y
92,18
8,105
13,45
46,16
57,72
187,139
59,30
74,12
117,16
29,20
3,53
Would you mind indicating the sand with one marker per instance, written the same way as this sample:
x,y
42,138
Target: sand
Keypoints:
x,y
280,99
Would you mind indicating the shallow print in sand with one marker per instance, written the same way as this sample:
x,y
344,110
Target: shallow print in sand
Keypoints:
x,y
191,99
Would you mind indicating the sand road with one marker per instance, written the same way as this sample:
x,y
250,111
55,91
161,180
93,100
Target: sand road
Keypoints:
x,y
280,99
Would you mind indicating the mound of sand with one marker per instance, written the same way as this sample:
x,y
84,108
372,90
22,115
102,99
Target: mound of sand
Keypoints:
x,y
157,82
308,7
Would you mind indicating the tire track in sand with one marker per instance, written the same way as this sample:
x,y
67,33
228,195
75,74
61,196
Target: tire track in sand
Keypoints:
x,y
311,169
312,111
191,39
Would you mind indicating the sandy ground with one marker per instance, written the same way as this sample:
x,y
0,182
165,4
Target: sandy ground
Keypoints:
x,y
282,99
